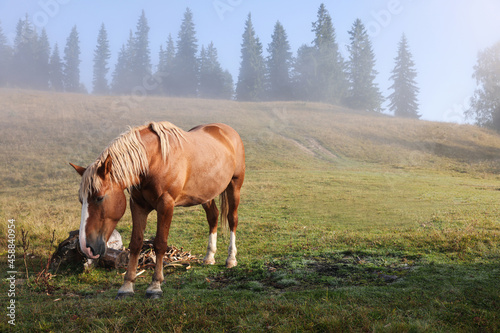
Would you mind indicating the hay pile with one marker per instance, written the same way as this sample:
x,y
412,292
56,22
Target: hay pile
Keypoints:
x,y
68,253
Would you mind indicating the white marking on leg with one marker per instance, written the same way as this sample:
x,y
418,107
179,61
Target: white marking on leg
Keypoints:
x,y
231,258
232,245
82,236
211,249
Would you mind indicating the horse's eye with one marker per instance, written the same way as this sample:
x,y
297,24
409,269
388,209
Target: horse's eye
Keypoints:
x,y
99,199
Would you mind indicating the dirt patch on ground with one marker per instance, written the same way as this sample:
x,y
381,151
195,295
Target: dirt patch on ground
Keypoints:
x,y
330,270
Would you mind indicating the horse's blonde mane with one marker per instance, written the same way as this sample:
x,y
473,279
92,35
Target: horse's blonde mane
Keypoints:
x,y
128,157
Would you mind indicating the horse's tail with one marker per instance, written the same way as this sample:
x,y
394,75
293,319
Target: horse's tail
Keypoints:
x,y
224,210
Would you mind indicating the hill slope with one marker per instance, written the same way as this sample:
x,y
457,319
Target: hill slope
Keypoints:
x,y
306,163
52,129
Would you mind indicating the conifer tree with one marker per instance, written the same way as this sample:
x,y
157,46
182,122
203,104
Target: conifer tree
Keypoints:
x,y
363,91
170,54
204,89
330,84
119,77
228,89
133,65
40,77
403,100
279,64
122,75
186,62
166,67
304,73
160,74
56,70
24,62
161,59
212,77
5,59
139,53
72,62
251,78
101,57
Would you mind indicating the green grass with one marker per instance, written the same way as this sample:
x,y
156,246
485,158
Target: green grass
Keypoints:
x,y
349,221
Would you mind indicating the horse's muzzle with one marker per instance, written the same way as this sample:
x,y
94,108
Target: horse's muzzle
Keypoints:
x,y
97,247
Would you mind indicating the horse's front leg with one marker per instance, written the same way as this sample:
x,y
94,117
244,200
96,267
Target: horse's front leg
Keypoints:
x,y
139,219
165,212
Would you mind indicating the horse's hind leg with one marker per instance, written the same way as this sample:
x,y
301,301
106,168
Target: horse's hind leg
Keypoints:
x,y
233,198
212,216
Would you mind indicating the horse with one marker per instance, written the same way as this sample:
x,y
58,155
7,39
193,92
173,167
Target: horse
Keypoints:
x,y
162,167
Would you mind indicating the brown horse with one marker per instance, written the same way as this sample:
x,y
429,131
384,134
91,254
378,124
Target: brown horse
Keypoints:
x,y
163,167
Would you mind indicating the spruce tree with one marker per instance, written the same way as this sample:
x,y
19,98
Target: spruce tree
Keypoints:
x,y
251,78
330,84
223,80
139,53
24,61
5,59
228,88
40,77
363,91
212,77
72,62
122,75
403,100
101,57
133,65
160,74
166,68
56,77
186,62
304,73
204,88
119,77
279,64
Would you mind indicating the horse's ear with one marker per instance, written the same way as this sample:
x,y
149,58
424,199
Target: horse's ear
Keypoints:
x,y
105,168
78,169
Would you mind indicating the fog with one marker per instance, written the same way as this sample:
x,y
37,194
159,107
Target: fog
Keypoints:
x,y
444,36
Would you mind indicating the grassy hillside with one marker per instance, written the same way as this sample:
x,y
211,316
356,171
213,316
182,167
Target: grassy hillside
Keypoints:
x,y
46,122
349,220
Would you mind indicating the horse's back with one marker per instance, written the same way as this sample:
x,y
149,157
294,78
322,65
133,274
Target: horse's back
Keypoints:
x,y
225,135
218,130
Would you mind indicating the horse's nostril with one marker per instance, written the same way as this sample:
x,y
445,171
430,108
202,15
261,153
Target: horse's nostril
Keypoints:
x,y
98,248
92,249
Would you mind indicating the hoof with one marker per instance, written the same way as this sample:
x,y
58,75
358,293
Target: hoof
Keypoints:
x,y
124,295
209,262
153,294
231,263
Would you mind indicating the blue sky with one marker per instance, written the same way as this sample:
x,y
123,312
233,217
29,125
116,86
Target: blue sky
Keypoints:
x,y
444,35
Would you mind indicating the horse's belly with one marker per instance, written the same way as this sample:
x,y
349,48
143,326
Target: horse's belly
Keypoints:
x,y
202,193
205,183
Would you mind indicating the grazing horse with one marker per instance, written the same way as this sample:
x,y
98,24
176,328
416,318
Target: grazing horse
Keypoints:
x,y
163,167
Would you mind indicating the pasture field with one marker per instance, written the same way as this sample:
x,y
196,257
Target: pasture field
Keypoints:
x,y
349,221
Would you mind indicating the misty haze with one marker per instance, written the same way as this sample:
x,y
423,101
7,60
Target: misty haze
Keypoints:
x,y
320,166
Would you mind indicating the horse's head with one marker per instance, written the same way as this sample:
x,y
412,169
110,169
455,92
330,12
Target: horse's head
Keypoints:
x,y
101,210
